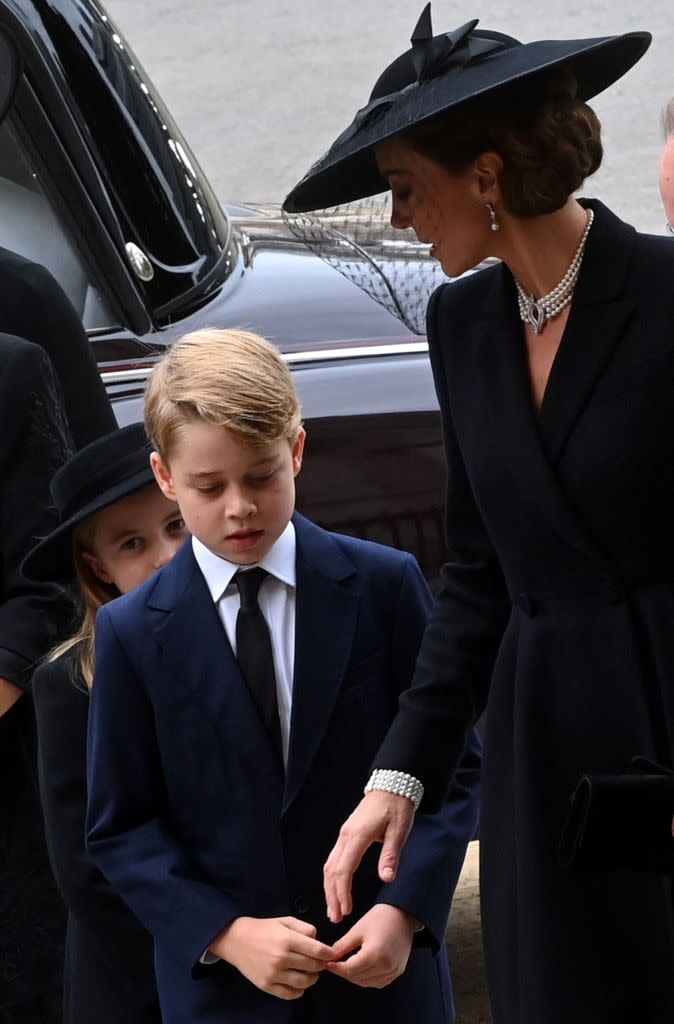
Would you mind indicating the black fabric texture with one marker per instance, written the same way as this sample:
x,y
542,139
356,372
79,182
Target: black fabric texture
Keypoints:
x,y
34,306
644,806
109,968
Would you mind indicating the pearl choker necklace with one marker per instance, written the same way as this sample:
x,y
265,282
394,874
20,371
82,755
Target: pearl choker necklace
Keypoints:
x,y
537,311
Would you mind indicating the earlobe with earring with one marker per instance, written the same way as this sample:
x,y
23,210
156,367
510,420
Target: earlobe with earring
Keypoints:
x,y
495,226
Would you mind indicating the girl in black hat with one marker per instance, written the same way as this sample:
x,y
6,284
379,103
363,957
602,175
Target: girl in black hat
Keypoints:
x,y
116,529
554,370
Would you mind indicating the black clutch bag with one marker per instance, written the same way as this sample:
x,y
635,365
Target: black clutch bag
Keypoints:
x,y
621,822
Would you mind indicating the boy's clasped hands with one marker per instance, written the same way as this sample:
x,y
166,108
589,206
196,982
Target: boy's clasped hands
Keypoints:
x,y
282,956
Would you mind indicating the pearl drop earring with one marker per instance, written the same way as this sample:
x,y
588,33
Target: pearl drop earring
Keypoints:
x,y
495,226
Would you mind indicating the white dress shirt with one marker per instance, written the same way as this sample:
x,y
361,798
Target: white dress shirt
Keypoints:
x,y
277,604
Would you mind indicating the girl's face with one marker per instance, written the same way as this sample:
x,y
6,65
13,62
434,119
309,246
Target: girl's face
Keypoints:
x,y
134,537
446,211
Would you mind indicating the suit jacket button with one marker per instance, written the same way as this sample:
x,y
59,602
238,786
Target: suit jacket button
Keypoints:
x,y
302,905
527,604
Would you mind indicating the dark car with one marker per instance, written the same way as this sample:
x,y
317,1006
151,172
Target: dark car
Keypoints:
x,y
98,184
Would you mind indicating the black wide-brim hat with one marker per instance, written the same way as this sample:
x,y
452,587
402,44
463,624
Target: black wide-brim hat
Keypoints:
x,y
440,73
107,469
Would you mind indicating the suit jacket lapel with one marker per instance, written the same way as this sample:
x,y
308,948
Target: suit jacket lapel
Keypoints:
x,y
596,323
199,655
326,612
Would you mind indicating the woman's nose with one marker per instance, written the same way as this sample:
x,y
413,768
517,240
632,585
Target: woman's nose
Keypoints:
x,y
399,219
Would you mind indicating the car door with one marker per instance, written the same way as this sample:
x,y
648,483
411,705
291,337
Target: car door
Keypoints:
x,y
98,184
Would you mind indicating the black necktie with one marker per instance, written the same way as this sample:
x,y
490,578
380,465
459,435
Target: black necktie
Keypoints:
x,y
254,651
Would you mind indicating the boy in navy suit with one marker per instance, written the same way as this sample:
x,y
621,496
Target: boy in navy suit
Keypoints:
x,y
238,699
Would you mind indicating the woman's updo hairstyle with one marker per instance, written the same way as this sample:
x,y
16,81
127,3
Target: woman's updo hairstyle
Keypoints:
x,y
548,138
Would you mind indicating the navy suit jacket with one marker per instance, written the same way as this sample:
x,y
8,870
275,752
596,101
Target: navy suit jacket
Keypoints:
x,y
191,815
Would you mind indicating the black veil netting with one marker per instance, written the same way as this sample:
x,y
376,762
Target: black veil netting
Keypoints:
x,y
390,265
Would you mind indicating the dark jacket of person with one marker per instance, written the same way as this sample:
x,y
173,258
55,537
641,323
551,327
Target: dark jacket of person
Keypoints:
x,y
556,613
192,816
35,307
33,444
109,969
44,408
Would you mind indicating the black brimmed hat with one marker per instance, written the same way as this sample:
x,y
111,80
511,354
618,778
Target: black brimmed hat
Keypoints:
x,y
442,72
109,468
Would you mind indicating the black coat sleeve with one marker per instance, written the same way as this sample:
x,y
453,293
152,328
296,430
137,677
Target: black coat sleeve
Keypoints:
x,y
35,307
451,680
61,708
34,442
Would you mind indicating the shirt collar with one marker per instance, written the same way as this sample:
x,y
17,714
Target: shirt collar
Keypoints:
x,y
218,572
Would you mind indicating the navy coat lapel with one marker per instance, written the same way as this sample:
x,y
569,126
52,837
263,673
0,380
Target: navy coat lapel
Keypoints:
x,y
533,442
510,429
597,321
199,655
325,616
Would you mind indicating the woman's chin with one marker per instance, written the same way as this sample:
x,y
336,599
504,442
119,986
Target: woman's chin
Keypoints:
x,y
453,267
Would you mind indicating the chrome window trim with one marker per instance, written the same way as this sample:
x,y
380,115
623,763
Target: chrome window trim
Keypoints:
x,y
311,356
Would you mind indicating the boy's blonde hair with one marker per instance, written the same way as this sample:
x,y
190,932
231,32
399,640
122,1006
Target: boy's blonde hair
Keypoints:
x,y
231,378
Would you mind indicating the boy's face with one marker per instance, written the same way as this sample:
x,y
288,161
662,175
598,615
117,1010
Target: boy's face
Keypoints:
x,y
235,499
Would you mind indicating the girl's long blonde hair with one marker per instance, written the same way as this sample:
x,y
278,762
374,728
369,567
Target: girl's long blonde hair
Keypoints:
x,y
95,593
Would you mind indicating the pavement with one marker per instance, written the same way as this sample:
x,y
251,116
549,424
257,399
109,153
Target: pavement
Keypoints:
x,y
464,945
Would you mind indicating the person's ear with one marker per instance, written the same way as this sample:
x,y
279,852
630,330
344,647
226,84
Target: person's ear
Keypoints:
x,y
487,172
162,475
97,567
297,451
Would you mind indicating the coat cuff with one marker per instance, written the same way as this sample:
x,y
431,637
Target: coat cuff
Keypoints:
x,y
15,668
426,934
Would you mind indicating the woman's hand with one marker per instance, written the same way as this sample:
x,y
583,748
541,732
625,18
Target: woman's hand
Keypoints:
x,y
379,818
383,938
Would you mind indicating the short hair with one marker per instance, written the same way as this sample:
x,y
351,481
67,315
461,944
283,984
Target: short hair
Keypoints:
x,y
668,120
548,138
231,378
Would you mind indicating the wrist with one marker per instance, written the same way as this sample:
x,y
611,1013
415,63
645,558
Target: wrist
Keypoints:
x,y
400,783
402,918
225,944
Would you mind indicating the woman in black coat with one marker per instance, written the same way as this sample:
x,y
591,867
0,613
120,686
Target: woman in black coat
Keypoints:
x,y
33,444
554,371
43,413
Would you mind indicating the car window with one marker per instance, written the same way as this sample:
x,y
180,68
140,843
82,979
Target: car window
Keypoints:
x,y
30,226
163,202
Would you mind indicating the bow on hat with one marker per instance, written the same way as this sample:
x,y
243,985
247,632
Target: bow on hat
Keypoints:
x,y
431,56
435,55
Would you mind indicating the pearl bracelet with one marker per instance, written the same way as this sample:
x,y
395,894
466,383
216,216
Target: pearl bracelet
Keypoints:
x,y
400,783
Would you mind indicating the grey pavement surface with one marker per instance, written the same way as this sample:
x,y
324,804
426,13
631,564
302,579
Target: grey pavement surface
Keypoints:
x,y
260,89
